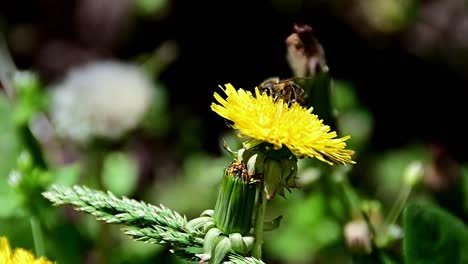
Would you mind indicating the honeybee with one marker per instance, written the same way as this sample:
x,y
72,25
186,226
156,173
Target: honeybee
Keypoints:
x,y
285,89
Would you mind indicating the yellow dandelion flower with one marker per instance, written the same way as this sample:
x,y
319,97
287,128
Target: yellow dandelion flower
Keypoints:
x,y
18,255
295,127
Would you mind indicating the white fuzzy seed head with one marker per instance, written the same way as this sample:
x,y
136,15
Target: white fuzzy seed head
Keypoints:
x,y
101,99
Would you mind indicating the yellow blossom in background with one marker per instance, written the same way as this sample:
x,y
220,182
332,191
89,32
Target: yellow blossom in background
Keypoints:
x,y
295,127
18,255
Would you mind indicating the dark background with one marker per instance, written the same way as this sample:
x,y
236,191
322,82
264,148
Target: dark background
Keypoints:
x,y
412,97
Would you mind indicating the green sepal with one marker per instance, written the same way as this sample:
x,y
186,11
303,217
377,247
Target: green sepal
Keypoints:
x,y
238,244
208,225
198,222
209,242
272,177
251,164
252,143
255,160
24,162
223,247
248,241
281,193
273,224
240,154
289,172
229,150
208,212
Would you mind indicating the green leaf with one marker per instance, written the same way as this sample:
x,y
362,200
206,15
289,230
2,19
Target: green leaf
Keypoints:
x,y
433,235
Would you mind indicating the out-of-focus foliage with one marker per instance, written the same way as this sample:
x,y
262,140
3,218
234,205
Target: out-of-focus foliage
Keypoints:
x,y
10,147
119,174
151,144
352,118
199,176
310,229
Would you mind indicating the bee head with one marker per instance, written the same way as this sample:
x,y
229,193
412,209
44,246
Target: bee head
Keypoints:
x,y
267,87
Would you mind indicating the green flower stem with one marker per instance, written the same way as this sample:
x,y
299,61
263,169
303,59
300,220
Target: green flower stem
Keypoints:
x,y
37,236
259,219
349,197
96,156
397,207
339,185
7,71
33,146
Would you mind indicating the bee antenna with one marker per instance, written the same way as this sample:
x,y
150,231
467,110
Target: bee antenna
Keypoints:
x,y
297,78
302,77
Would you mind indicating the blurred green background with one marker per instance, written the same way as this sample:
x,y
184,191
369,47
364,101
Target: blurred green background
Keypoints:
x,y
399,72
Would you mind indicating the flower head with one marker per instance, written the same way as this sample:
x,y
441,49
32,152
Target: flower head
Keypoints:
x,y
18,255
259,117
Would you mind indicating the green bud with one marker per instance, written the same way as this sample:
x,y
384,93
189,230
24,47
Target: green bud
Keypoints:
x,y
235,204
413,174
14,178
389,236
26,80
24,161
371,207
29,98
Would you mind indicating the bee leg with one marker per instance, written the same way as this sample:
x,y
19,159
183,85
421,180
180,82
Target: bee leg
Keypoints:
x,y
294,97
267,91
291,102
